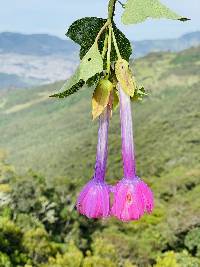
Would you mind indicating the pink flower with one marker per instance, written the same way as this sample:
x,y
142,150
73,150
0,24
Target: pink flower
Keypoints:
x,y
132,198
94,200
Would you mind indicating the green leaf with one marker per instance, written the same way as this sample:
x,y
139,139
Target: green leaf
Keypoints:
x,y
66,91
139,94
124,45
93,80
125,77
137,11
73,84
91,64
84,32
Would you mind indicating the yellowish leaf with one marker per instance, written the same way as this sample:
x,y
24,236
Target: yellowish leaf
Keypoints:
x,y
125,77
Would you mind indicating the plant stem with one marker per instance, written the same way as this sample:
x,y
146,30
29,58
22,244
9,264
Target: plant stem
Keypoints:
x,y
102,30
111,9
128,154
102,146
115,45
123,5
105,47
109,51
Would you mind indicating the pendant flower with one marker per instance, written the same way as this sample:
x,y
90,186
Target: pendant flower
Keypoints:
x,y
94,199
104,60
132,197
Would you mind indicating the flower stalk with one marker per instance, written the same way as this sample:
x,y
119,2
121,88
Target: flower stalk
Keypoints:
x,y
94,199
111,9
128,154
132,197
102,145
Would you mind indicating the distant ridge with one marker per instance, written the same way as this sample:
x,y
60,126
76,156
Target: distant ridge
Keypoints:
x,y
45,44
36,59
35,44
142,48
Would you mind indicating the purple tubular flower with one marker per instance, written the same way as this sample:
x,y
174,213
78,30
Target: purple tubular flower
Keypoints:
x,y
132,197
94,200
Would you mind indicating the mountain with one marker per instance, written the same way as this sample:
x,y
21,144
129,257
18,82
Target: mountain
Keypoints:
x,y
17,70
36,59
35,44
57,138
30,60
142,48
45,45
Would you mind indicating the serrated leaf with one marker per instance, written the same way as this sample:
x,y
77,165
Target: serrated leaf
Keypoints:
x,y
124,76
73,84
84,32
139,94
70,91
137,11
124,45
100,98
91,64
93,80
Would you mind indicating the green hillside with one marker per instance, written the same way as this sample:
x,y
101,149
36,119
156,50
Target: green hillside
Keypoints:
x,y
58,139
166,124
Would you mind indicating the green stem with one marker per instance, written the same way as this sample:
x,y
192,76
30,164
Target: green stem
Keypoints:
x,y
102,30
105,47
123,5
111,9
115,45
109,51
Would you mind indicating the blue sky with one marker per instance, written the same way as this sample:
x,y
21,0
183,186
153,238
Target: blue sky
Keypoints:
x,y
55,16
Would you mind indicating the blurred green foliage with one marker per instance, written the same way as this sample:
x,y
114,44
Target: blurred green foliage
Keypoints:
x,y
39,226
192,241
172,259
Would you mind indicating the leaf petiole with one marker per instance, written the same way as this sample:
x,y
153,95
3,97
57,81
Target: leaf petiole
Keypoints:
x,y
115,45
105,47
102,30
109,51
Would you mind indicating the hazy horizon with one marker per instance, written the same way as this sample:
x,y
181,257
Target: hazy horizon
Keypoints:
x,y
64,38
